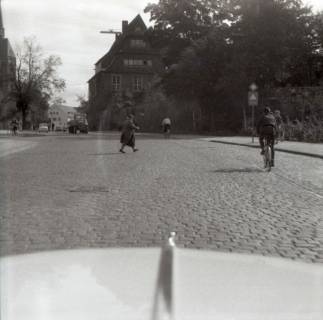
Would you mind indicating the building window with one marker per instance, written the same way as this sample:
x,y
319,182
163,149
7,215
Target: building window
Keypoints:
x,y
138,30
137,62
137,83
116,82
137,43
148,63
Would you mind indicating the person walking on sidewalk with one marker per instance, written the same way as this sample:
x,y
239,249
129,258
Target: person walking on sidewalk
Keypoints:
x,y
266,128
128,134
280,129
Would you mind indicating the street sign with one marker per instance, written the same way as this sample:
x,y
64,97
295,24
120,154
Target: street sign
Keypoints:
x,y
252,98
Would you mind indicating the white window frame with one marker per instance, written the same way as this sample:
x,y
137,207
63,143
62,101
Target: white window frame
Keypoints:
x,y
116,82
134,62
138,83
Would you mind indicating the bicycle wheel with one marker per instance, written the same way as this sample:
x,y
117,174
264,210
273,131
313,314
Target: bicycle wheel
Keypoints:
x,y
268,157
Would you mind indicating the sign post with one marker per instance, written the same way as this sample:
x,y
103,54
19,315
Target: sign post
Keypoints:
x,y
253,102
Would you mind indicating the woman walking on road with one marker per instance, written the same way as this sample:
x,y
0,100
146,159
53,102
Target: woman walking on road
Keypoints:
x,y
128,134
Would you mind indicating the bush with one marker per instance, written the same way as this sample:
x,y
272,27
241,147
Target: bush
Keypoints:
x,y
310,130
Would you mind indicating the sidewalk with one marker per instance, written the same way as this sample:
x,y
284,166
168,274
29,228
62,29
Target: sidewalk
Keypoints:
x,y
24,133
301,148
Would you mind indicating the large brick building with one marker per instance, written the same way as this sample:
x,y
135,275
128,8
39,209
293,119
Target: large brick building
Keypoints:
x,y
7,74
122,75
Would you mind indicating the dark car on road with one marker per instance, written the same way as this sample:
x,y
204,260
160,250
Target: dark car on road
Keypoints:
x,y
79,124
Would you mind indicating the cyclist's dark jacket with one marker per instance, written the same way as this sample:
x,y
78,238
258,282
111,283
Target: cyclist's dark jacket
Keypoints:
x,y
267,124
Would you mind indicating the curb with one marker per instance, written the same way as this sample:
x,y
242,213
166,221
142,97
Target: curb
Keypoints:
x,y
301,153
22,136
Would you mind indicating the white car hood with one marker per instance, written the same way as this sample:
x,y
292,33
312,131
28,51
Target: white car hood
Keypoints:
x,y
121,284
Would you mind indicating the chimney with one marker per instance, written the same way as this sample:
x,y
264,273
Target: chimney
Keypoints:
x,y
124,26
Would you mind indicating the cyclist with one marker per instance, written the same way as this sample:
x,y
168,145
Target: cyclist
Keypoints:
x,y
166,123
14,126
266,128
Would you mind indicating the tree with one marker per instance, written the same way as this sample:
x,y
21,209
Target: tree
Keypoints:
x,y
177,23
273,41
36,77
83,104
215,49
57,100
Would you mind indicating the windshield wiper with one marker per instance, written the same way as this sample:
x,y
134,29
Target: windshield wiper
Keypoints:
x,y
163,308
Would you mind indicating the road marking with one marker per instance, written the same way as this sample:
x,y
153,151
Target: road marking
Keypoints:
x,y
8,146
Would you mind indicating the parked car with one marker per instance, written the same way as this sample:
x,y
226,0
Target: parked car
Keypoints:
x,y
43,127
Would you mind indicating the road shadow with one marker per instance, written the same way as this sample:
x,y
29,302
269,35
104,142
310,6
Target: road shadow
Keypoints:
x,y
105,154
90,189
237,170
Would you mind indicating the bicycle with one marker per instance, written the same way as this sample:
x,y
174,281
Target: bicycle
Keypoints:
x,y
267,154
167,133
14,130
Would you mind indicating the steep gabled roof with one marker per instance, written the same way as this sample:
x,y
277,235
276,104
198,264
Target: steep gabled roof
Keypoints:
x,y
137,22
116,46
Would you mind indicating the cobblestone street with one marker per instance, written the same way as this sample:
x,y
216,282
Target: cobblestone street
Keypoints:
x,y
79,191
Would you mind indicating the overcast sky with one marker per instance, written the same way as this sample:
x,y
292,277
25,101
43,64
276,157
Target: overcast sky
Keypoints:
x,y
70,29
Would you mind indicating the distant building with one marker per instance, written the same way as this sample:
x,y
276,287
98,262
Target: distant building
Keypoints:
x,y
7,74
59,115
122,75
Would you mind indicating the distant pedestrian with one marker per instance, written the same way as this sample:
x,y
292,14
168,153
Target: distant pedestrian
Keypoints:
x,y
280,128
166,124
128,134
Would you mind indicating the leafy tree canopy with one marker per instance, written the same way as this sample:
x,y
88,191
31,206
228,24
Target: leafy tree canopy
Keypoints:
x,y
214,49
36,77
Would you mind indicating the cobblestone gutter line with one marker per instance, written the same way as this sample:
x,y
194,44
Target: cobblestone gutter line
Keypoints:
x,y
307,154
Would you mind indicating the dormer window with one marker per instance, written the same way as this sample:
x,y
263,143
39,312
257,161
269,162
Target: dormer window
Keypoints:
x,y
137,43
133,62
137,62
148,63
138,30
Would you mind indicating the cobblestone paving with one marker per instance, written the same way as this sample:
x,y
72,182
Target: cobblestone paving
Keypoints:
x,y
72,192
